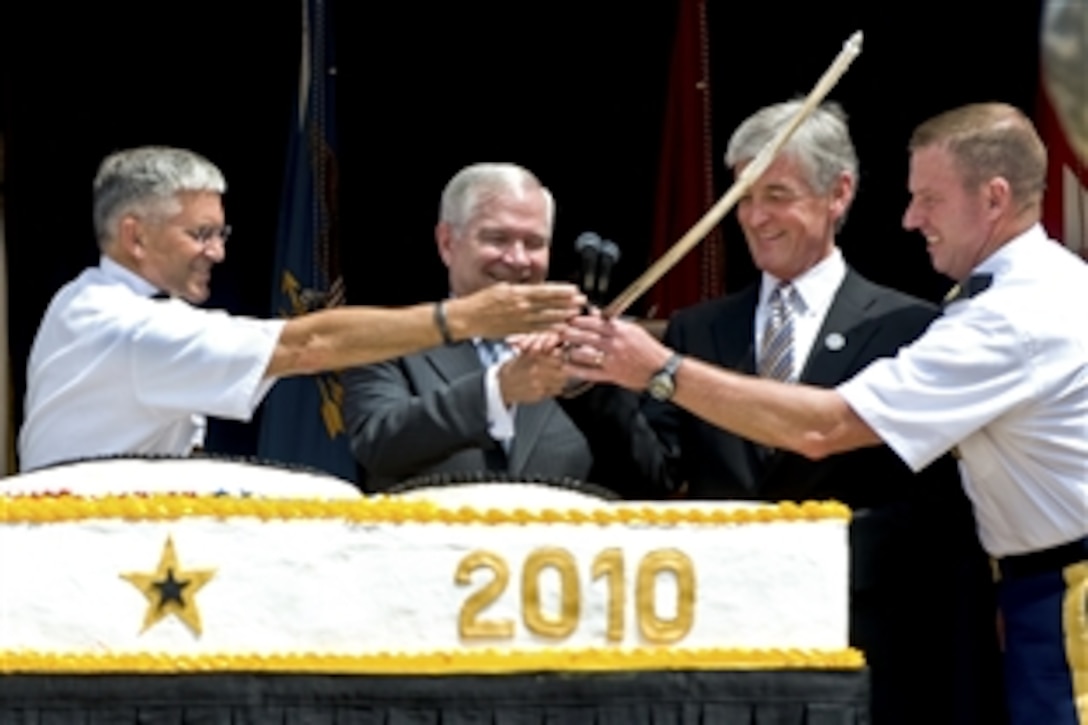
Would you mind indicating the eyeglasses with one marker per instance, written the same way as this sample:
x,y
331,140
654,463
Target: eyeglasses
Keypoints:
x,y
206,233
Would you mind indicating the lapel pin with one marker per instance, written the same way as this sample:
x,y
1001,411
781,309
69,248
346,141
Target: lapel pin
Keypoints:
x,y
835,342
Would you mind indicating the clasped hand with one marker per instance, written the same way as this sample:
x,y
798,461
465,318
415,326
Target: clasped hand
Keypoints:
x,y
536,371
588,348
604,350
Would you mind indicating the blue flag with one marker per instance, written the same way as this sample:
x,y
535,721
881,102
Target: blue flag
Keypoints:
x,y
302,422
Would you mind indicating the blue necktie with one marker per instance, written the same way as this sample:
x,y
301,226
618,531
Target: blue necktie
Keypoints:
x,y
493,352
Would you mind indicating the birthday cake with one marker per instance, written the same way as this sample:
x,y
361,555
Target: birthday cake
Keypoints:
x,y
205,565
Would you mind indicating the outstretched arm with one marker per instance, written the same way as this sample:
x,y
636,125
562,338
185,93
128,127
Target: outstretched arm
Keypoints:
x,y
812,421
338,338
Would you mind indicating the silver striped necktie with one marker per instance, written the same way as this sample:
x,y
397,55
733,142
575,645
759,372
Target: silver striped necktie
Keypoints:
x,y
776,351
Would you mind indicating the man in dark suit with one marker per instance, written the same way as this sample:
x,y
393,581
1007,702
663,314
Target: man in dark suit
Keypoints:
x,y
918,575
482,405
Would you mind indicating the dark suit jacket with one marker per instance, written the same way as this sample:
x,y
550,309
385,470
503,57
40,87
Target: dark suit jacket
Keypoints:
x,y
918,576
426,414
871,321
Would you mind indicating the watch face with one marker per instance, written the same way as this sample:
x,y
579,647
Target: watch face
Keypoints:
x,y
661,386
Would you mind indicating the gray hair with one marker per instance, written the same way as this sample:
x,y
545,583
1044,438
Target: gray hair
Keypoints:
x,y
473,184
821,143
146,180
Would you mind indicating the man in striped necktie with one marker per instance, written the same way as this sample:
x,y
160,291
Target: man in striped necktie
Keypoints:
x,y
1001,375
920,582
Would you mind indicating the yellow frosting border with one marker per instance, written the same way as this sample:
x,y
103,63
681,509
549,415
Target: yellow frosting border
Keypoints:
x,y
433,663
385,509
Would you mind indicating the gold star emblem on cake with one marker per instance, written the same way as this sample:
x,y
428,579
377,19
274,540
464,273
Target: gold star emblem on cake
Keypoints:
x,y
171,590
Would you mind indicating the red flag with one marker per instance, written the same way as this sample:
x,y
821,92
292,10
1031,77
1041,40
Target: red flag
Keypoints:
x,y
685,185
1063,120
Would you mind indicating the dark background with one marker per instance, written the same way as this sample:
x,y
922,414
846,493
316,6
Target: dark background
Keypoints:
x,y
573,91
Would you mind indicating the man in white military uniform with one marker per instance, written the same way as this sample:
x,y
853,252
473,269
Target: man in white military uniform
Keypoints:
x,y
1002,376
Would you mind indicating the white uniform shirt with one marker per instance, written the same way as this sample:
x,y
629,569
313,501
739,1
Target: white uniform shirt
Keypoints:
x,y
113,371
816,289
1003,376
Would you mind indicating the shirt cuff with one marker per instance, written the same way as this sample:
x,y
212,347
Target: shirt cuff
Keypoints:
x,y
500,419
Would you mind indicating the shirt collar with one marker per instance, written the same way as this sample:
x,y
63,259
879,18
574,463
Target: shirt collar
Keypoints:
x,y
815,286
126,276
1003,258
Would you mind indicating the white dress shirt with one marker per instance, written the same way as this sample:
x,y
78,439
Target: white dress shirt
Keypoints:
x,y
815,289
500,418
113,371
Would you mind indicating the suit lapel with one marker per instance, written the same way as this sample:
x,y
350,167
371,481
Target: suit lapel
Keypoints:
x,y
735,343
838,343
454,361
529,423
734,349
451,362
842,336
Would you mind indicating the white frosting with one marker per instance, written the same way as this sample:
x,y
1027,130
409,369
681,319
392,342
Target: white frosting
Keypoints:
x,y
335,587
332,586
504,496
204,476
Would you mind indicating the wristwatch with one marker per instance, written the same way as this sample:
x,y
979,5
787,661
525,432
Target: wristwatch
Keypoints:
x,y
662,385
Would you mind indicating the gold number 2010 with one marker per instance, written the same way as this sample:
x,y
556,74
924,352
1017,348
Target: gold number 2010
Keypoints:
x,y
609,565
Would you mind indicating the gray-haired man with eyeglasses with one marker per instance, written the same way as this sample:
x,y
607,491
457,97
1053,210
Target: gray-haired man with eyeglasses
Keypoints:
x,y
124,363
